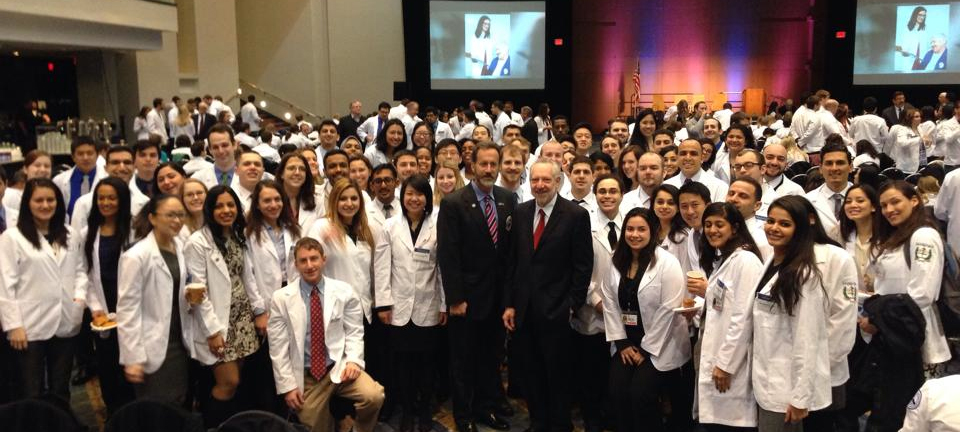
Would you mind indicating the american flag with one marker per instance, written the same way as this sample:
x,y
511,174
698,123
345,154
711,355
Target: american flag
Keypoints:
x,y
636,84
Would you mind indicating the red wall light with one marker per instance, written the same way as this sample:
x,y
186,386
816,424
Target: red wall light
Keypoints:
x,y
558,42
841,35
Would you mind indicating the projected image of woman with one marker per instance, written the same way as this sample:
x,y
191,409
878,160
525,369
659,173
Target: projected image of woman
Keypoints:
x,y
480,50
911,41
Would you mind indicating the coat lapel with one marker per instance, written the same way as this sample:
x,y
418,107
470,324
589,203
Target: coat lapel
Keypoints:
x,y
475,210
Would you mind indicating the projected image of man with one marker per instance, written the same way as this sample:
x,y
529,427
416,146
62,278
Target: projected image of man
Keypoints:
x,y
936,57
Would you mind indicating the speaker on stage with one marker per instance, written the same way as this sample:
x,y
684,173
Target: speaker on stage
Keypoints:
x,y
401,90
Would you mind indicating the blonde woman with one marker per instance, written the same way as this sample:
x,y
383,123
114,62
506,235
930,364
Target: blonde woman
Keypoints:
x,y
447,179
182,124
192,194
794,154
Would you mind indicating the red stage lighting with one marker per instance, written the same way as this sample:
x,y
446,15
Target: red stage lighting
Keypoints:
x,y
558,41
841,35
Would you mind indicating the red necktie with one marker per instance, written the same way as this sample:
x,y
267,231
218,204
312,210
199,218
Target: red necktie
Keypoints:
x,y
539,231
318,351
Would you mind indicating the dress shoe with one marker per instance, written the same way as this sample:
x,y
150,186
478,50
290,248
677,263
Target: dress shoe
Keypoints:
x,y
504,409
492,421
466,427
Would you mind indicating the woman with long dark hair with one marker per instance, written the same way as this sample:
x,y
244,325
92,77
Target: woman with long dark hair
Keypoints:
x,y
912,45
544,124
391,139
168,178
226,322
731,260
153,326
481,49
907,142
106,235
791,362
37,288
643,130
409,299
627,167
296,180
673,230
859,223
645,284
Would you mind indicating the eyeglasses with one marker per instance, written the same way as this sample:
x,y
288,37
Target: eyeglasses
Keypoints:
x,y
174,215
746,165
386,180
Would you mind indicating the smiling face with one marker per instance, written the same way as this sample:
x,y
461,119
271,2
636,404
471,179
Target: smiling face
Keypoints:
x,y
225,210
691,209
352,147
193,196
896,207
664,206
583,140
610,146
621,131
294,173
609,197
511,167
660,141
250,168
741,195
647,126
857,205
120,164
414,201
422,136
717,230
309,263
311,158
711,129
650,171
775,160
736,141
628,165
670,164
424,160
394,135
690,157
85,157
348,204
359,173
581,178
543,183
221,148
835,168
329,136
270,204
486,168
407,166
169,181
168,219
335,166
779,228
384,184
43,205
636,232
446,180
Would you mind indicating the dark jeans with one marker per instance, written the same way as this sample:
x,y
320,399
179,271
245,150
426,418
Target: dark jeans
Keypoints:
x,y
45,367
474,366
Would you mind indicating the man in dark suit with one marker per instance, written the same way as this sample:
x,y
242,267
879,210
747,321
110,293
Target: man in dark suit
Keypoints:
x,y
349,123
203,122
893,114
554,259
529,132
475,258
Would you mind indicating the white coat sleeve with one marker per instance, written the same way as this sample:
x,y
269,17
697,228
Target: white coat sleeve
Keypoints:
x,y
353,331
383,269
807,325
195,256
917,418
945,198
612,321
926,266
671,297
843,308
130,283
737,342
10,315
250,282
279,334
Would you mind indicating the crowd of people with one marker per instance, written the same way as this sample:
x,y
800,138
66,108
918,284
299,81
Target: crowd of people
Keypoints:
x,y
670,271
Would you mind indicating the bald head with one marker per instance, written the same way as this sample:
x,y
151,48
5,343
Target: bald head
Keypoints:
x,y
774,159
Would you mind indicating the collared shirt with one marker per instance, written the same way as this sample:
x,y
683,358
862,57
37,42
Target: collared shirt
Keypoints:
x,y
305,290
547,211
480,197
394,207
520,192
635,198
76,182
276,236
603,224
219,174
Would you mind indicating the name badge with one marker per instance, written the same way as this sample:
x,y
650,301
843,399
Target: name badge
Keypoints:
x,y
421,255
718,299
630,318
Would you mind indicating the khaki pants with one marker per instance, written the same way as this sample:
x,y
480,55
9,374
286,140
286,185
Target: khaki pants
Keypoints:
x,y
366,393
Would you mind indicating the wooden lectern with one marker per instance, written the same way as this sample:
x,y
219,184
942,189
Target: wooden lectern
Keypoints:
x,y
754,101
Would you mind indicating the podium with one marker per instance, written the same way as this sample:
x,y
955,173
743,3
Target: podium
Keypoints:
x,y
754,101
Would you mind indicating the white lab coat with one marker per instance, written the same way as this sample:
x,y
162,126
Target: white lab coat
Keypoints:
x,y
207,265
948,144
443,131
267,273
367,132
208,176
661,290
37,286
791,364
870,127
306,218
287,332
348,261
906,148
406,274
718,189
786,187
586,320
376,156
81,208
934,408
726,342
145,302
155,125
679,250
841,282
755,228
62,181
89,287
947,208
921,281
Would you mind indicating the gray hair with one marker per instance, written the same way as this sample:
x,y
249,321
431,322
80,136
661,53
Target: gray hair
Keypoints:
x,y
554,166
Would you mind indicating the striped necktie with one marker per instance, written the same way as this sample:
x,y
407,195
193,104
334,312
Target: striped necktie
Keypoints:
x,y
490,214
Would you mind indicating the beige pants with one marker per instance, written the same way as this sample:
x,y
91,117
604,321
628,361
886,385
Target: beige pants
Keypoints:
x,y
366,393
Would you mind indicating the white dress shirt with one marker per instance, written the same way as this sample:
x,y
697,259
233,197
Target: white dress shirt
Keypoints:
x,y
718,189
870,127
